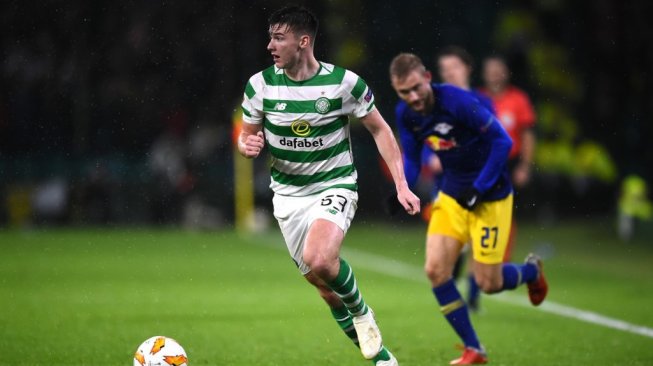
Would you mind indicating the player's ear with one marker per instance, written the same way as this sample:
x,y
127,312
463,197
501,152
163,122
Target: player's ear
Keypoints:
x,y
304,41
428,76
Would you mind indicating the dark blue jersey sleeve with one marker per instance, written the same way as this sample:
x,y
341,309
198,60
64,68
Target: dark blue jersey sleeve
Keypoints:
x,y
467,108
485,100
482,121
411,147
501,145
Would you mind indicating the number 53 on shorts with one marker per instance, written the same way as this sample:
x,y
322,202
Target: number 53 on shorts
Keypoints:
x,y
335,203
338,206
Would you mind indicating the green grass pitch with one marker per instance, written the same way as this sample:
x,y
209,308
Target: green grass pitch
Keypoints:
x,y
90,297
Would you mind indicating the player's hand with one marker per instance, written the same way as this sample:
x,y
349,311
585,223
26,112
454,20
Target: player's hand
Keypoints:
x,y
521,175
253,145
408,200
469,198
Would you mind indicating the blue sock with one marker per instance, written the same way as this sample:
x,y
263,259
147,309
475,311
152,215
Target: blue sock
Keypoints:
x,y
474,290
516,274
454,309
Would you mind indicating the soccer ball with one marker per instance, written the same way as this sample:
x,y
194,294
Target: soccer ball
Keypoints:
x,y
160,351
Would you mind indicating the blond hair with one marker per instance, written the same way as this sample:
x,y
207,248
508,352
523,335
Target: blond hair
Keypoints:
x,y
405,63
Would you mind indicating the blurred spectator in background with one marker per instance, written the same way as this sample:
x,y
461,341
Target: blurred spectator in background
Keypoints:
x,y
516,114
633,206
97,195
50,201
171,176
455,66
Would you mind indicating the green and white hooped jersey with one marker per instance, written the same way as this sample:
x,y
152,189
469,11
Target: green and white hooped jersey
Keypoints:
x,y
307,126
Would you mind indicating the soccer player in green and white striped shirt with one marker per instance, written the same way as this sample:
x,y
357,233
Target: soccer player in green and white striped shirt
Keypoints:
x,y
302,107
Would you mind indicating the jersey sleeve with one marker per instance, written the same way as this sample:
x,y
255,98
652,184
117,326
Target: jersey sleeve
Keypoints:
x,y
360,96
470,111
467,108
486,101
252,105
496,161
411,147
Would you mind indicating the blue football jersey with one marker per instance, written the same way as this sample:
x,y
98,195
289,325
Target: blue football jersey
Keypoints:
x,y
485,100
466,136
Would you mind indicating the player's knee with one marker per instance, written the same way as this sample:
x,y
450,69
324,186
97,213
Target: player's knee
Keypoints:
x,y
436,275
311,259
321,266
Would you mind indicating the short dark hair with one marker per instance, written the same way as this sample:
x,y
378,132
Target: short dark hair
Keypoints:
x,y
496,57
459,52
298,19
405,63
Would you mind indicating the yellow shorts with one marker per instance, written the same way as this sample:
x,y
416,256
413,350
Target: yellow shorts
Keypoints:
x,y
487,227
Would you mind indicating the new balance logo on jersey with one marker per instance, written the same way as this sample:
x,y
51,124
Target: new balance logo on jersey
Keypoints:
x,y
280,107
297,142
442,128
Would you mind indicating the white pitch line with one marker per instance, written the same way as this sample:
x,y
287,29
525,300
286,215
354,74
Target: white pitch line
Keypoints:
x,y
388,266
583,315
398,269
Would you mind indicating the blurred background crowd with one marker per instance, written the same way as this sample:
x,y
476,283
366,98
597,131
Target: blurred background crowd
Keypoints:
x,y
120,112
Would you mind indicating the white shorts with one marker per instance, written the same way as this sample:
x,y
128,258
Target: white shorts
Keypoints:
x,y
296,215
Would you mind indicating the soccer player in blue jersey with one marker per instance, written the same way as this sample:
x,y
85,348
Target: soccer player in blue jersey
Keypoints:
x,y
475,199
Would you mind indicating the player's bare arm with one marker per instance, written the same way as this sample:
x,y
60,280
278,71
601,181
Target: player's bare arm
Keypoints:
x,y
522,172
251,140
389,149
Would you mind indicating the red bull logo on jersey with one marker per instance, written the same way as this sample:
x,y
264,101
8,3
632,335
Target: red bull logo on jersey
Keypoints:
x,y
439,144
